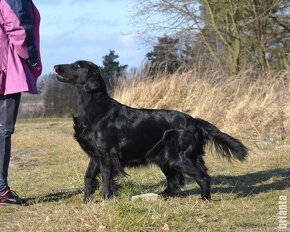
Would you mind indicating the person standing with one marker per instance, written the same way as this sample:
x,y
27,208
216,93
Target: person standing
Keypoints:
x,y
20,66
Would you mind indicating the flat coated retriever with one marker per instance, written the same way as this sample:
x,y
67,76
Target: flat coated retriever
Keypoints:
x,y
115,136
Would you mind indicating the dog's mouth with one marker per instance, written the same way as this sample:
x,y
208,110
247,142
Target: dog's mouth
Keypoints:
x,y
58,76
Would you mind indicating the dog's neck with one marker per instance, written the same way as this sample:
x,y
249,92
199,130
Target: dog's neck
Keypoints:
x,y
92,105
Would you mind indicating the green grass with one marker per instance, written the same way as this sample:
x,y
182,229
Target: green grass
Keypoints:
x,y
47,168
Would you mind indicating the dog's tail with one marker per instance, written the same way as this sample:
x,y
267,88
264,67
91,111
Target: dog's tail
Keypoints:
x,y
225,145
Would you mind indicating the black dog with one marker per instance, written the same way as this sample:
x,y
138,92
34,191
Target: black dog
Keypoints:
x,y
115,136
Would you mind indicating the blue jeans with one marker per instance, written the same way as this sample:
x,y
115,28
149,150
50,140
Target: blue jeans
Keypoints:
x,y
9,105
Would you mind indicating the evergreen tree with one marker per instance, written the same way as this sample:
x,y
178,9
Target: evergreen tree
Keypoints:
x,y
165,57
111,67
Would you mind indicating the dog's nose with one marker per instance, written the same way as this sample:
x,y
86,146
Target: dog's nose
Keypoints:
x,y
55,69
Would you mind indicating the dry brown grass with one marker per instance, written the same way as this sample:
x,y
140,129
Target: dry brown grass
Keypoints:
x,y
249,104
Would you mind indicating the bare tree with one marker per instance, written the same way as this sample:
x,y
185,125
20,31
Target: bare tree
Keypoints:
x,y
230,30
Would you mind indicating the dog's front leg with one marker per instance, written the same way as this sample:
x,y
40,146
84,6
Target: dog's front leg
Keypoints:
x,y
91,183
107,177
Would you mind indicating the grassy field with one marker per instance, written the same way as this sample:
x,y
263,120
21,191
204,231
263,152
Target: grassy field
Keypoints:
x,y
48,166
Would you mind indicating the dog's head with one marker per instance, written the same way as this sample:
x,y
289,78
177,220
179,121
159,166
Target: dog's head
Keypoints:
x,y
81,73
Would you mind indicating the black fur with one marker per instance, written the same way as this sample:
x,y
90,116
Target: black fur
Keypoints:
x,y
115,136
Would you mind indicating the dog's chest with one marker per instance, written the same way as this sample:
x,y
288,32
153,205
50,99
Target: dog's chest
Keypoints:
x,y
85,137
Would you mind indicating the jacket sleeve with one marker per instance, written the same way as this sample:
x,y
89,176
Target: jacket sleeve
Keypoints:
x,y
19,24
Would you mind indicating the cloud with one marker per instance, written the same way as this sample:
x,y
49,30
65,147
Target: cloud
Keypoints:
x,y
92,20
47,2
70,46
81,2
127,39
71,32
88,1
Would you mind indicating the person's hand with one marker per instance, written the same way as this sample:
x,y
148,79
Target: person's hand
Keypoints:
x,y
33,64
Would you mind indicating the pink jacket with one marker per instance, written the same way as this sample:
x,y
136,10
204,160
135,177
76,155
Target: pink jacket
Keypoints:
x,y
19,42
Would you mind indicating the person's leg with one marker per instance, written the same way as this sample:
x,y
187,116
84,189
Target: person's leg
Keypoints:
x,y
3,113
9,105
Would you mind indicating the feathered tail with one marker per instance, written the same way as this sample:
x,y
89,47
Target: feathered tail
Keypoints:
x,y
225,145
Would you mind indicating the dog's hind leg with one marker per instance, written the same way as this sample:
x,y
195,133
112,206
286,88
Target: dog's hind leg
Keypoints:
x,y
198,171
174,180
204,183
91,183
203,179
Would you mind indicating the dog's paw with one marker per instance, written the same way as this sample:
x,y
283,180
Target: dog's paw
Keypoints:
x,y
88,199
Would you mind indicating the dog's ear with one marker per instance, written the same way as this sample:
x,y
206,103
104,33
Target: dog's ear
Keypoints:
x,y
95,81
92,84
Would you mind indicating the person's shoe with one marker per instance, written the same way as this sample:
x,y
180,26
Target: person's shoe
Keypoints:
x,y
11,198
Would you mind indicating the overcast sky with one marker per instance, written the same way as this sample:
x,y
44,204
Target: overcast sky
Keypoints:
x,y
88,29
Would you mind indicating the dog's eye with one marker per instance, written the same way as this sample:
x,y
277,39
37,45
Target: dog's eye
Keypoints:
x,y
76,66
